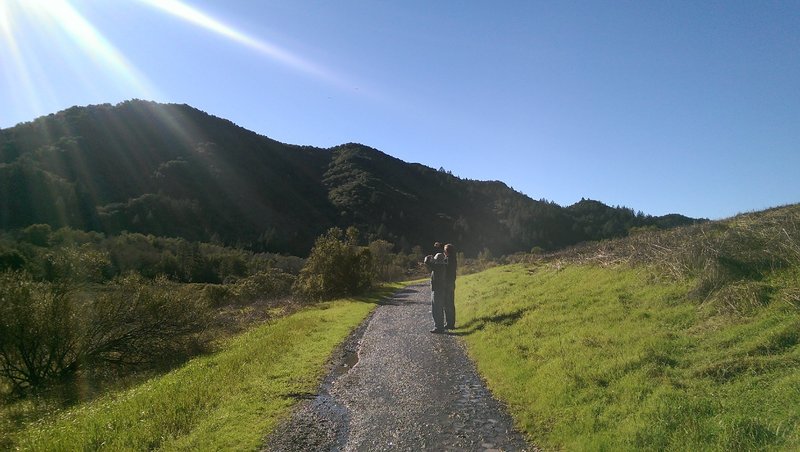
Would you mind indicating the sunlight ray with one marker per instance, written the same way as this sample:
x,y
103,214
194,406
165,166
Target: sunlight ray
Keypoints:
x,y
15,70
91,40
73,40
5,25
190,14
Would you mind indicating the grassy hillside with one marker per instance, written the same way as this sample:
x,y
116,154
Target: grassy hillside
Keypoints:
x,y
685,340
226,401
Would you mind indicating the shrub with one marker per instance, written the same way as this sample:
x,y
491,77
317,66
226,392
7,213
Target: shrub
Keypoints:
x,y
336,267
137,321
218,294
39,331
11,260
37,234
47,333
264,284
76,265
387,266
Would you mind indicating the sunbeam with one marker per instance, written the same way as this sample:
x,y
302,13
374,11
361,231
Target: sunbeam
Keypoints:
x,y
193,15
5,25
53,52
81,32
73,43
15,70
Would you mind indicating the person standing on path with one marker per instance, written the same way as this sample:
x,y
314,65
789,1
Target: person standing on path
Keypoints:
x,y
450,289
437,264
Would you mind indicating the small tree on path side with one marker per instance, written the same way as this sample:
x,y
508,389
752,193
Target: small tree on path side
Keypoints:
x,y
336,267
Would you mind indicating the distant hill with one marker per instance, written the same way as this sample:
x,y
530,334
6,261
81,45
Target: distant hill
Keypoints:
x,y
173,170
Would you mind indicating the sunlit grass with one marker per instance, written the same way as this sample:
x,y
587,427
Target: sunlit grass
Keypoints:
x,y
230,400
591,358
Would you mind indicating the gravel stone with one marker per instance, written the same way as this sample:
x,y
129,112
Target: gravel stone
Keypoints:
x,y
395,386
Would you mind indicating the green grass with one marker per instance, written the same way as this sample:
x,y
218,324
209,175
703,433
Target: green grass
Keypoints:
x,y
593,358
230,400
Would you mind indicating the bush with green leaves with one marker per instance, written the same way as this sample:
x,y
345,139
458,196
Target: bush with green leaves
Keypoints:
x,y
37,234
336,267
11,260
387,266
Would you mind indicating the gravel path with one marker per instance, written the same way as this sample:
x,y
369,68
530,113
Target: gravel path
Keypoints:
x,y
395,386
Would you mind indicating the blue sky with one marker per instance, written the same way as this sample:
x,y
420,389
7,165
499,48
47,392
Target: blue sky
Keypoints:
x,y
665,107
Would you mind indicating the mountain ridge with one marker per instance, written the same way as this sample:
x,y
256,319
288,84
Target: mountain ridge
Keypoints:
x,y
174,170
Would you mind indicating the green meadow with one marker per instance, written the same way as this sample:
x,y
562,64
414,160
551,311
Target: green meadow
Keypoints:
x,y
226,401
591,357
687,339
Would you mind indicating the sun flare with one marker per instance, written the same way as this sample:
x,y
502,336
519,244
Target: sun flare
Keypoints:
x,y
37,36
194,16
82,52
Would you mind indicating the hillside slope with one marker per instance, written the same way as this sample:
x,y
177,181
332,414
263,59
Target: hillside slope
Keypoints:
x,y
681,340
174,170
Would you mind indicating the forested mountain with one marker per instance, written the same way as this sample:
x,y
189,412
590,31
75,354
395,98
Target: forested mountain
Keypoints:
x,y
173,170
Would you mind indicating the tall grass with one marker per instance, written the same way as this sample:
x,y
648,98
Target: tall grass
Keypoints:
x,y
685,340
229,400
747,247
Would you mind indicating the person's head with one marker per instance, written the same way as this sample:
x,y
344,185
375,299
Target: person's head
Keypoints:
x,y
437,245
449,249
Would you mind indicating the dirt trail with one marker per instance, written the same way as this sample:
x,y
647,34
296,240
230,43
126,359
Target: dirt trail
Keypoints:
x,y
395,386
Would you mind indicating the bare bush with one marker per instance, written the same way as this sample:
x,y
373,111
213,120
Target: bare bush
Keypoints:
x,y
267,284
137,321
39,332
270,283
48,334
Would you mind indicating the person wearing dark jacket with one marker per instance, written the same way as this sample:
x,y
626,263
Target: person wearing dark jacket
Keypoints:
x,y
450,287
438,266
